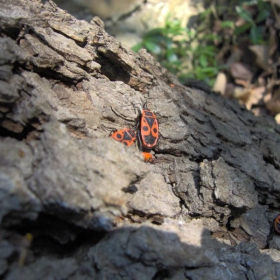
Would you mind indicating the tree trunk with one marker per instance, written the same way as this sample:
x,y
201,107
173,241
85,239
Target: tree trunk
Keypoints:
x,y
75,204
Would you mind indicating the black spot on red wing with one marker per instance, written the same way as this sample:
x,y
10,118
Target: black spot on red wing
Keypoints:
x,y
145,128
119,136
125,143
127,136
155,130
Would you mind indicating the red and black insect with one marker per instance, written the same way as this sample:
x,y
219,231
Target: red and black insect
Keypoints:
x,y
126,136
277,224
148,132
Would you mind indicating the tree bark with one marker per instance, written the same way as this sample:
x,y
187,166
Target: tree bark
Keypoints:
x,y
64,85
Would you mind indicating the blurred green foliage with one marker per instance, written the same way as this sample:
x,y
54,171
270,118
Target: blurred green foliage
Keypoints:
x,y
251,23
192,53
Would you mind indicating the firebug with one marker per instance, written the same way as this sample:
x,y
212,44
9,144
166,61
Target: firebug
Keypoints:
x,y
147,134
148,130
126,136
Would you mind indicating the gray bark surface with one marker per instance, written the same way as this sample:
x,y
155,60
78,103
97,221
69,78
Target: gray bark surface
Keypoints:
x,y
203,210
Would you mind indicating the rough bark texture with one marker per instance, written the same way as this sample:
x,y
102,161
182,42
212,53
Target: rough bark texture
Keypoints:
x,y
94,208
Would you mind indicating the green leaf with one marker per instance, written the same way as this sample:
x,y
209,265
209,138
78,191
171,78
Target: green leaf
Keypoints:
x,y
251,2
154,32
227,24
262,16
175,31
137,47
255,34
156,38
171,56
261,5
242,29
209,51
207,71
152,47
168,42
244,14
203,60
